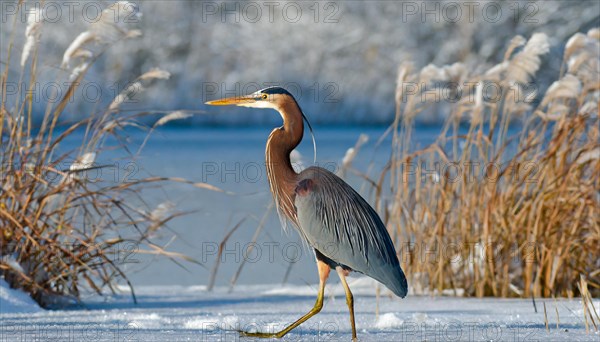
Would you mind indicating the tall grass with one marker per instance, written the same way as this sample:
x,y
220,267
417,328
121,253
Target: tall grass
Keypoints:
x,y
489,210
64,230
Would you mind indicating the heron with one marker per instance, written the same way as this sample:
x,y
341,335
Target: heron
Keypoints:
x,y
344,231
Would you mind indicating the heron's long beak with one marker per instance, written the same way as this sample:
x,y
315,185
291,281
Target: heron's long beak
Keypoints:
x,y
229,101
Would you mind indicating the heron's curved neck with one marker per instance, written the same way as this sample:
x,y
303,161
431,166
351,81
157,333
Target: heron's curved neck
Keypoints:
x,y
292,130
282,141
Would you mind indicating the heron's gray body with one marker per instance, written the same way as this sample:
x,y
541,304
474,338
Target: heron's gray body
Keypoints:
x,y
339,224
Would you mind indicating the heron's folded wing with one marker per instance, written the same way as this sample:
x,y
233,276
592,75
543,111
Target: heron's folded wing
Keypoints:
x,y
341,225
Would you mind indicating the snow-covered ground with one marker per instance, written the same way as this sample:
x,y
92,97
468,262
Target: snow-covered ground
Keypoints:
x,y
15,302
172,313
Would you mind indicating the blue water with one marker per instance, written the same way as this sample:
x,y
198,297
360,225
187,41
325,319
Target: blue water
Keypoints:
x,y
231,158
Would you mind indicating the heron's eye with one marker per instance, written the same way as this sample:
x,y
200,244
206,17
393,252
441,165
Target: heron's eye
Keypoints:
x,y
264,96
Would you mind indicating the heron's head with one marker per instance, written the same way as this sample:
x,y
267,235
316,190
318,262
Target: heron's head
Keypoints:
x,y
272,97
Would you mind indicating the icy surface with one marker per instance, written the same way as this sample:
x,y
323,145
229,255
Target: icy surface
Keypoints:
x,y
175,313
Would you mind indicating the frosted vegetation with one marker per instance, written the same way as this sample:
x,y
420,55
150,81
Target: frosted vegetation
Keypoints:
x,y
339,57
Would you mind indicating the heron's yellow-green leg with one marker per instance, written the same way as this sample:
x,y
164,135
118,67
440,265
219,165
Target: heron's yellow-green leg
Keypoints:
x,y
323,275
349,299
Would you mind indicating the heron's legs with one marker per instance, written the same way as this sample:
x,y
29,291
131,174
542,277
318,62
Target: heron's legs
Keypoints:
x,y
323,275
349,299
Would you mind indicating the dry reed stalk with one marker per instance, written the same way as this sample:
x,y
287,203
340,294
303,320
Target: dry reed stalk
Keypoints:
x,y
589,310
215,269
257,232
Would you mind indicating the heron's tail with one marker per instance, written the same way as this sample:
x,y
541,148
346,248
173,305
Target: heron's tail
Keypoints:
x,y
396,281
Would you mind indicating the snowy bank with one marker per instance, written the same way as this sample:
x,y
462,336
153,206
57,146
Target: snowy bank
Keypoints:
x,y
15,301
177,313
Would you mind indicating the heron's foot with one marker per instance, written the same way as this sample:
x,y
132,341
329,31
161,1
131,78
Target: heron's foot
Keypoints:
x,y
261,334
